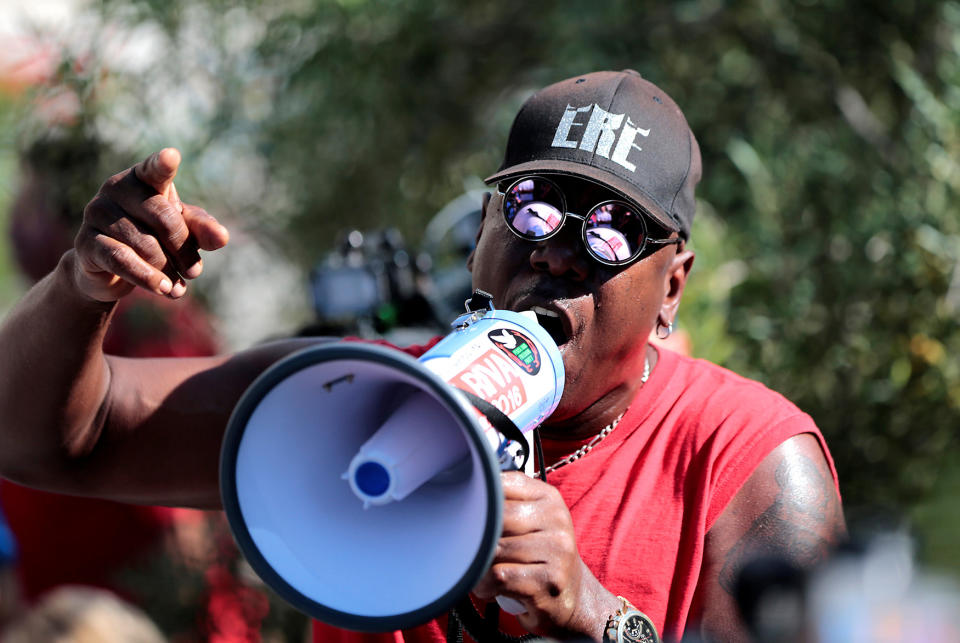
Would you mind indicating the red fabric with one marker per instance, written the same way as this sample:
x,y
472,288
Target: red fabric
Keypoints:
x,y
145,325
643,500
413,351
67,540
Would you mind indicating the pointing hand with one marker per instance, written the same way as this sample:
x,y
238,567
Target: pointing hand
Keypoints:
x,y
136,232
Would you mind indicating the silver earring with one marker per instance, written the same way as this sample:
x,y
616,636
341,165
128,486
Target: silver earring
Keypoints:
x,y
668,329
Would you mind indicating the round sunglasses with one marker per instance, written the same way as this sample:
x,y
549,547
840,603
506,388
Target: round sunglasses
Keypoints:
x,y
614,232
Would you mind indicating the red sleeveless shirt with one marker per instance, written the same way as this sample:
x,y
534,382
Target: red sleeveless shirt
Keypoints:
x,y
644,498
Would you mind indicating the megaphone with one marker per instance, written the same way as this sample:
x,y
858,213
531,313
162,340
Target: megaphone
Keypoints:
x,y
363,485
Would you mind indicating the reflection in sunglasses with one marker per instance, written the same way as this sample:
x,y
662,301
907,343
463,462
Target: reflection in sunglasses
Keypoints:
x,y
524,190
614,232
601,216
608,243
537,219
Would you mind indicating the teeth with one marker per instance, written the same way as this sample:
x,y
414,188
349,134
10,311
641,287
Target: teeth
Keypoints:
x,y
546,313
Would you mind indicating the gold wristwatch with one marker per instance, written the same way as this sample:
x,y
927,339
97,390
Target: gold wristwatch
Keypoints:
x,y
629,625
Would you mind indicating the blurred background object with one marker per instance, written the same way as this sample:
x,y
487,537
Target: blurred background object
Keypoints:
x,y
10,599
871,591
827,233
371,286
83,615
881,595
448,239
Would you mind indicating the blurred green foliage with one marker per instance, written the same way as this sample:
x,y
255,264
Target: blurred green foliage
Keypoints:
x,y
827,236
10,114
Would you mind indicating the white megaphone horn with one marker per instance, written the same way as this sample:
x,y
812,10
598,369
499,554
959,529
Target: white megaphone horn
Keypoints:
x,y
363,485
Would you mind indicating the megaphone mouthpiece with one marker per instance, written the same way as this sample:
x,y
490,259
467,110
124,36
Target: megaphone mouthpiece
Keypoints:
x,y
416,442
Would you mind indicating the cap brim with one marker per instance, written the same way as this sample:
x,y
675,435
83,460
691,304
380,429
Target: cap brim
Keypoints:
x,y
623,188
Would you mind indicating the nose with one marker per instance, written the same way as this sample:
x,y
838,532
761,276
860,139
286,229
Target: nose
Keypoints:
x,y
562,255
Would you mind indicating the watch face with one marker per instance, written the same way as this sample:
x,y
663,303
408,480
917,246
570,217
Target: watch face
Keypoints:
x,y
636,628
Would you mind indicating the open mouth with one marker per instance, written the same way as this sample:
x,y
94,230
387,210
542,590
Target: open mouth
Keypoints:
x,y
550,321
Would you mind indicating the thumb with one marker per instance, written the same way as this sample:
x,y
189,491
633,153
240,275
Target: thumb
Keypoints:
x,y
158,171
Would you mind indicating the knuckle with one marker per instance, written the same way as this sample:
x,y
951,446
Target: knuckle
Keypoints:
x,y
501,575
171,222
119,227
84,235
554,581
552,493
113,183
83,243
149,248
95,207
164,216
485,589
118,255
568,546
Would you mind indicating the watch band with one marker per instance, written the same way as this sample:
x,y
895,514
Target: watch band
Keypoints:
x,y
629,625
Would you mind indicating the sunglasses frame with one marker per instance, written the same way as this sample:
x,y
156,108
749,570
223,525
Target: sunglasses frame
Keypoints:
x,y
640,212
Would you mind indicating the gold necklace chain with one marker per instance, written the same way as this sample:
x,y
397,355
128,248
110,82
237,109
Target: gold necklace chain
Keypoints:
x,y
604,432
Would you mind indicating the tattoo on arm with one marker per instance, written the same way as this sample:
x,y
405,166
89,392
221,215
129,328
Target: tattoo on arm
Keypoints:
x,y
800,525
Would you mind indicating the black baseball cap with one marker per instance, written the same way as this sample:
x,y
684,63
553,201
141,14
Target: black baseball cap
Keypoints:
x,y
614,128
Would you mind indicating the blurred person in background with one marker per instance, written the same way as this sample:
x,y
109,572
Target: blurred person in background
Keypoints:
x,y
119,542
695,469
74,614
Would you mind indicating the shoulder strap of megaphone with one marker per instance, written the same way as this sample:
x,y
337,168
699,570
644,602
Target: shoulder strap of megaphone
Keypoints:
x,y
465,615
501,422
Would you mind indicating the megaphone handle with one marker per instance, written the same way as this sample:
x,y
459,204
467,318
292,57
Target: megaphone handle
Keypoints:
x,y
511,605
483,628
501,422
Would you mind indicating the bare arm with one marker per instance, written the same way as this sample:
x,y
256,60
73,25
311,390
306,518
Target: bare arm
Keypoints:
x,y
74,420
788,509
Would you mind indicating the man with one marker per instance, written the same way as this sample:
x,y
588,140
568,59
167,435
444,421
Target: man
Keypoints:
x,y
665,474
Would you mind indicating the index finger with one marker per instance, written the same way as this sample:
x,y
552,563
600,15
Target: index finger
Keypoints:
x,y
158,171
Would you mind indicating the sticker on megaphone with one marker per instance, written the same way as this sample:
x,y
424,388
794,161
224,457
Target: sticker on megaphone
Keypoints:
x,y
499,357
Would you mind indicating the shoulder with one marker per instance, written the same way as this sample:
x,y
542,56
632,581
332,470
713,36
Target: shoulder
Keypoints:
x,y
706,388
730,424
717,410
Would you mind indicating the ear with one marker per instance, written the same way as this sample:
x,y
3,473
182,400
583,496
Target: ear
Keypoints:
x,y
675,281
483,217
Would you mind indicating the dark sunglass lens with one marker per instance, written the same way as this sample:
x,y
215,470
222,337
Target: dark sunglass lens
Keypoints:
x,y
614,232
533,207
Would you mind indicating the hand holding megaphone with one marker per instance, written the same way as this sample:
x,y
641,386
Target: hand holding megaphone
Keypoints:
x,y
537,562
